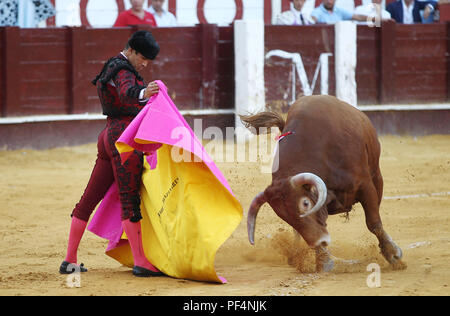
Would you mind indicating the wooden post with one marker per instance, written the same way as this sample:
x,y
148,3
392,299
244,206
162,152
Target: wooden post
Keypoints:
x,y
345,61
387,86
210,38
11,74
249,72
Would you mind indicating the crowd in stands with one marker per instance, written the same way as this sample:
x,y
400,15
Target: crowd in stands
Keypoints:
x,y
28,13
400,11
155,16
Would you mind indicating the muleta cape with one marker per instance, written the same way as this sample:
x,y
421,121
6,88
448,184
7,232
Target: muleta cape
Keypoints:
x,y
187,205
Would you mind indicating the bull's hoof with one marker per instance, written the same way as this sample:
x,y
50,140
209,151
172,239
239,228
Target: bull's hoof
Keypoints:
x,y
325,266
393,254
324,262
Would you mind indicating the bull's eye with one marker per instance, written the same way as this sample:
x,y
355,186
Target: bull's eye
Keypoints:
x,y
305,204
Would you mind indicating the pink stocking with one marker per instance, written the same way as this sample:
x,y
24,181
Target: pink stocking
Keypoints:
x,y
77,228
134,234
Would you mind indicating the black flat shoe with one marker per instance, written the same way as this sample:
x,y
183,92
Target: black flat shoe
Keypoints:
x,y
144,273
65,269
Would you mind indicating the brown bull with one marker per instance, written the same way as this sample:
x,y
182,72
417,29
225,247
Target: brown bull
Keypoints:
x,y
328,161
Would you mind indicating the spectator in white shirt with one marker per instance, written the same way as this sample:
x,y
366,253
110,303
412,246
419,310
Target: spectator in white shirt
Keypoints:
x,y
163,18
294,16
374,11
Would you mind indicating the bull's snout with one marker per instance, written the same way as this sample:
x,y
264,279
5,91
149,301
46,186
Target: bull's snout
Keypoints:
x,y
323,241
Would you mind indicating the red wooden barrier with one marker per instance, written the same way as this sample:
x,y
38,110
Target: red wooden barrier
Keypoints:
x,y
48,71
421,62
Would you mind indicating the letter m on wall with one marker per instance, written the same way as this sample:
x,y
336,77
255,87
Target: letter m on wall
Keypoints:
x,y
298,69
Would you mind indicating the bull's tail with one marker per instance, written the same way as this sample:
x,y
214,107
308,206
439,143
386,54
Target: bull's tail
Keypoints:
x,y
263,119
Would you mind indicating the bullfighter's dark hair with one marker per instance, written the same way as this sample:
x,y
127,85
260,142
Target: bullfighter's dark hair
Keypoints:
x,y
143,42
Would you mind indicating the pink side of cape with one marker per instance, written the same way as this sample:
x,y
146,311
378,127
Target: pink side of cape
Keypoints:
x,y
159,122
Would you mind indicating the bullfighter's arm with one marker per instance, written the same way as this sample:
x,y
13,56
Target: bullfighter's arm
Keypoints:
x,y
129,90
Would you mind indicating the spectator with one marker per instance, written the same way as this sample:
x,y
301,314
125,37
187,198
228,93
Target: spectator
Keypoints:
x,y
135,16
9,13
163,18
294,16
25,13
373,10
408,11
328,13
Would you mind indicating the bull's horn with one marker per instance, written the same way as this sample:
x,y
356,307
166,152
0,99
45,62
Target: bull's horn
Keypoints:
x,y
310,178
257,202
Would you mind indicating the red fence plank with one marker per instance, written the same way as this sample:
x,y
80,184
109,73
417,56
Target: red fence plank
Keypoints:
x,y
11,78
225,69
210,37
421,31
367,65
388,88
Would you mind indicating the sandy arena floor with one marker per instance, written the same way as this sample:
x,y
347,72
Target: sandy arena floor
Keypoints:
x,y
38,190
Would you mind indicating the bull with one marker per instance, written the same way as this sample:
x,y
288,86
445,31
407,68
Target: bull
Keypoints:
x,y
328,160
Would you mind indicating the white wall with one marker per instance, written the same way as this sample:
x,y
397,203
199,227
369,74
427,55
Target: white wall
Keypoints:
x,y
103,13
100,13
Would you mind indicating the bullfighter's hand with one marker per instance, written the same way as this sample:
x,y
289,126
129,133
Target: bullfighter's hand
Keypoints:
x,y
151,89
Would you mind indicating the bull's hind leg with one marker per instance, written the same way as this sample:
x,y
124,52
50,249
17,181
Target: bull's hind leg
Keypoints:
x,y
370,200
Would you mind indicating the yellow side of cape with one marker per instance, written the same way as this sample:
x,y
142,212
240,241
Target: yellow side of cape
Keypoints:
x,y
187,215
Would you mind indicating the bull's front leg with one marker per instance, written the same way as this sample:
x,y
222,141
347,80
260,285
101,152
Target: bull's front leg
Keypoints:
x,y
389,249
324,261
370,201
